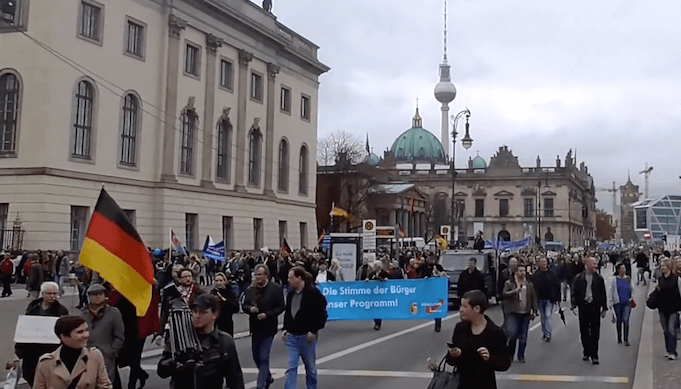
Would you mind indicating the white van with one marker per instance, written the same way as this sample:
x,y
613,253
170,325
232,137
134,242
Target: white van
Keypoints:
x,y
417,242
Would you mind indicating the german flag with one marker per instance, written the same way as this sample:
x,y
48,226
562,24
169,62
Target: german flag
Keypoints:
x,y
114,249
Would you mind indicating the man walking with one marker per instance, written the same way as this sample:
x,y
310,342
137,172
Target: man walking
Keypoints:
x,y
588,294
107,331
547,286
305,315
220,360
521,309
6,271
264,302
471,279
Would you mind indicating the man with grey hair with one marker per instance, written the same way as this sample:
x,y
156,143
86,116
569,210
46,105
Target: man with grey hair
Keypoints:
x,y
47,305
263,302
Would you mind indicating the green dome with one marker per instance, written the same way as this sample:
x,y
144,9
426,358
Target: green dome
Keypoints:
x,y
479,163
372,159
418,145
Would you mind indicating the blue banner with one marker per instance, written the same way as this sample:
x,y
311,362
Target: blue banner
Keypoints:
x,y
512,245
389,300
214,251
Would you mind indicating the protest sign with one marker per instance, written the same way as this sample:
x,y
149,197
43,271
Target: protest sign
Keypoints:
x,y
388,300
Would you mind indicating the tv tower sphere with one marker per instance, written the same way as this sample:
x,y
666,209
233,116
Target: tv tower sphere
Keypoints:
x,y
445,91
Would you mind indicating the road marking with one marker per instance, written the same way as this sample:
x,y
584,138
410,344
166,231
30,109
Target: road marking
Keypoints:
x,y
277,372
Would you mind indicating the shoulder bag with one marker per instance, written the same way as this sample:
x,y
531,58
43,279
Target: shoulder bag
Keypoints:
x,y
443,379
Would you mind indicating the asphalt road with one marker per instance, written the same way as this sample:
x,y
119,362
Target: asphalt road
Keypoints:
x,y
354,355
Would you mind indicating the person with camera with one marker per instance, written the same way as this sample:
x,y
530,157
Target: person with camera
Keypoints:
x,y
478,346
219,362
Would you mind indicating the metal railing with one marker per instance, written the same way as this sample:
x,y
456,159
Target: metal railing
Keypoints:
x,y
12,239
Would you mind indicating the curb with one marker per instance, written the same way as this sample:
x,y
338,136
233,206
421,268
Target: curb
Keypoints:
x,y
643,375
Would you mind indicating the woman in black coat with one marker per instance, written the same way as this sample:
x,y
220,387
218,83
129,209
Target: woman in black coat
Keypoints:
x,y
229,305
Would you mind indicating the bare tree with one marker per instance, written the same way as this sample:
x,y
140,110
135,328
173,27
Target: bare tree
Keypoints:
x,y
330,148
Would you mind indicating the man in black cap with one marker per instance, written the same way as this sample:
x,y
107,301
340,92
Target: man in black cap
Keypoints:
x,y
220,360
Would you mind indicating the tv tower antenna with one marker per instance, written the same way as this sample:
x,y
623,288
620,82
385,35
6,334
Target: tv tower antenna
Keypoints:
x,y
445,32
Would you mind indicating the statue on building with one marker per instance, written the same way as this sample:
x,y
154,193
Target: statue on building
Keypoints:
x,y
470,163
568,159
538,162
557,160
267,5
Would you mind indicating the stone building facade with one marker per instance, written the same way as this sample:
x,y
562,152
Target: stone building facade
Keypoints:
x,y
198,115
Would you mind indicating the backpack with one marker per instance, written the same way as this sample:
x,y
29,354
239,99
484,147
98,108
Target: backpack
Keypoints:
x,y
6,268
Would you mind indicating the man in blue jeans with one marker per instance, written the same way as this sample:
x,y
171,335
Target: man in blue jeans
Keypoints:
x,y
305,315
264,302
547,287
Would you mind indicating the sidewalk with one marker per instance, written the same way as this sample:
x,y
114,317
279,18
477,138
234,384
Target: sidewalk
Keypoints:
x,y
653,370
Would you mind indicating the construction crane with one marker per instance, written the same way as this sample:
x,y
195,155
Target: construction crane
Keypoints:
x,y
614,191
646,173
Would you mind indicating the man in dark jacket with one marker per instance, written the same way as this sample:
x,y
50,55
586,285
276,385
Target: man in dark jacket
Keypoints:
x,y
479,346
471,279
264,302
588,294
547,287
305,315
45,306
220,359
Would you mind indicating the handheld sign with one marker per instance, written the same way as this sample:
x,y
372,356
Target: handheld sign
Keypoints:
x,y
36,329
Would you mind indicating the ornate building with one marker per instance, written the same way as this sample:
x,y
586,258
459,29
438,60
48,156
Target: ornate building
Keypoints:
x,y
199,115
503,199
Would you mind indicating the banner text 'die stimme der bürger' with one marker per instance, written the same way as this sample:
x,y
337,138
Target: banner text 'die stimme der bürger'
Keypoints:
x,y
389,300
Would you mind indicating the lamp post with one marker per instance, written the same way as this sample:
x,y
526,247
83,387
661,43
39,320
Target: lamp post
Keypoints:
x,y
466,143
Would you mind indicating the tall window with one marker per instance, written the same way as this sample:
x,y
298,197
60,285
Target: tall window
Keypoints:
x,y
479,207
528,207
460,208
78,227
548,207
224,149
283,165
254,156
134,39
303,234
10,12
285,104
85,97
4,210
9,112
257,234
226,74
187,134
191,221
90,21
227,233
129,131
256,87
303,169
282,232
191,60
305,107
503,207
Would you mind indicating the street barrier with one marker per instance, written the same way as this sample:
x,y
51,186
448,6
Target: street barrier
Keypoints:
x,y
388,300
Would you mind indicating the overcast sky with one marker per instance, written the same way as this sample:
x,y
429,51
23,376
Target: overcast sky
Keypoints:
x,y
600,77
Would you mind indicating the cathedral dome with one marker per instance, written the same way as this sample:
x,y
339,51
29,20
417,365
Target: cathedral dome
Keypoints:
x,y
372,159
479,163
418,145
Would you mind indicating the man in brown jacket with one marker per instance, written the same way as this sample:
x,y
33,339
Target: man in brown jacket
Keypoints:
x,y
521,307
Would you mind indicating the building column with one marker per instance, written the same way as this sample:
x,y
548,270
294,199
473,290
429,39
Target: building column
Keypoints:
x,y
392,217
272,71
175,27
245,58
212,44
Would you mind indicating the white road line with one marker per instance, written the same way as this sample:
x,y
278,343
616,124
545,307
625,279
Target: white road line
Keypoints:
x,y
278,373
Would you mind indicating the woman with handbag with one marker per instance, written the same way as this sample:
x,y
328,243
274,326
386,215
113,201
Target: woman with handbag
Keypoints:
x,y
622,301
478,346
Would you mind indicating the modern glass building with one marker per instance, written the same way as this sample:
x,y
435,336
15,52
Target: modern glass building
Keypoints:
x,y
658,216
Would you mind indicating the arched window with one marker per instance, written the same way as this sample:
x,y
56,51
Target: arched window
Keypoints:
x,y
9,112
129,130
254,156
303,169
283,165
85,99
187,133
224,148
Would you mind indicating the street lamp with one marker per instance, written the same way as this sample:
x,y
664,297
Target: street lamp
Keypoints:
x,y
466,143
